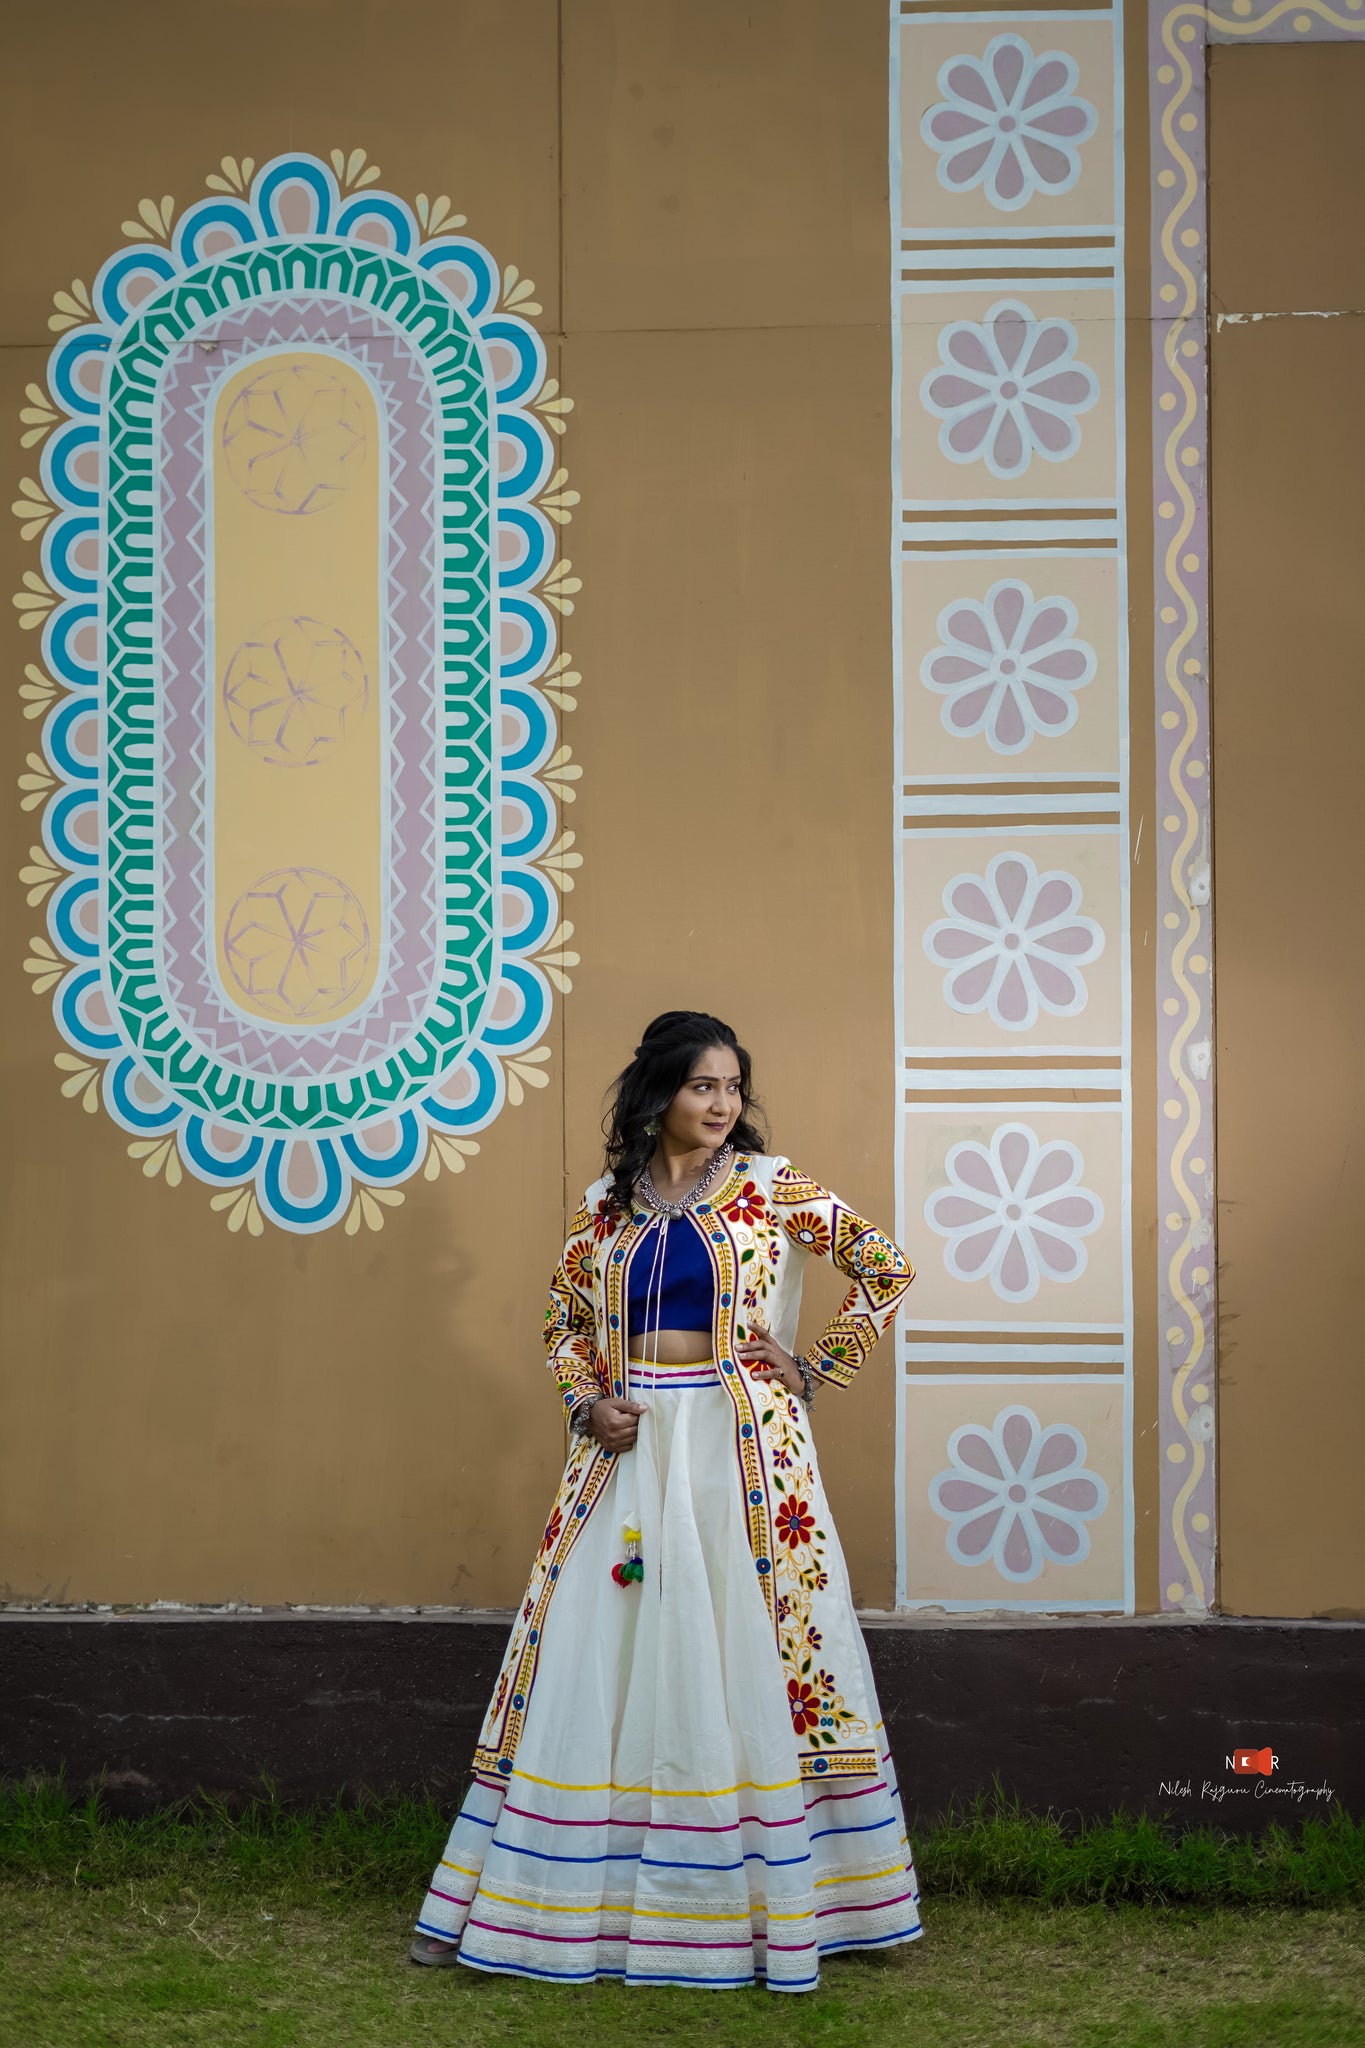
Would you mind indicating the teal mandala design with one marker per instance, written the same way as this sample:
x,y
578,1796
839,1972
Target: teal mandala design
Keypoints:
x,y
299,1121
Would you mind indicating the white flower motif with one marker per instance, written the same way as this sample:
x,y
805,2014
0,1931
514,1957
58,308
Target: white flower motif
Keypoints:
x,y
1018,1496
1009,389
1014,1212
1009,121
1008,668
1013,944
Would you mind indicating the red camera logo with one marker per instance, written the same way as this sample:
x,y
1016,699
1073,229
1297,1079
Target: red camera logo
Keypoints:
x,y
1251,1761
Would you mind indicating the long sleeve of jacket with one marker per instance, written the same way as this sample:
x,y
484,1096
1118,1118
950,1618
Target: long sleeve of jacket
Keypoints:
x,y
878,1269
570,1322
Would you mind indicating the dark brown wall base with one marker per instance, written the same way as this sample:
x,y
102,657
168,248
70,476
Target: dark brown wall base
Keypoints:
x,y
1085,1717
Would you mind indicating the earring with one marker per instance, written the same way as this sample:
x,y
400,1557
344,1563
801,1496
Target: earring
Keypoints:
x,y
652,1128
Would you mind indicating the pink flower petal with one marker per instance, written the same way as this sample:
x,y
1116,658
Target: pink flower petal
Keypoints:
x,y
1062,1258
1009,445
1072,942
1050,77
1056,988
1066,1212
967,899
966,625
1013,1153
1011,178
1049,622
1009,728
1009,610
1008,66
1014,1268
965,165
1010,332
970,985
973,1169
960,1496
1018,1552
1064,1539
1052,436
947,125
1057,895
1051,342
948,670
1011,879
973,1252
1081,1494
974,1538
948,392
1066,122
965,348
952,944
1050,166
1065,388
1061,664
977,1452
1058,1454
967,435
1049,711
959,1212
964,81
966,712
1055,1169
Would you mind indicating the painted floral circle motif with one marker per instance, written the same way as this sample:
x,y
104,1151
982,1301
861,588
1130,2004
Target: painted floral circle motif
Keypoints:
x,y
297,943
1008,668
294,438
1018,1496
1009,122
1014,1212
294,689
1010,388
1013,943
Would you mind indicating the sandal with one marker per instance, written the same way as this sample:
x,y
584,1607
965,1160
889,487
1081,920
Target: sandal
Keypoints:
x,y
439,1955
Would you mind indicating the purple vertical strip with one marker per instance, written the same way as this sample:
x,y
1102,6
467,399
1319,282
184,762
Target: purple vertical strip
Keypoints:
x,y
1184,938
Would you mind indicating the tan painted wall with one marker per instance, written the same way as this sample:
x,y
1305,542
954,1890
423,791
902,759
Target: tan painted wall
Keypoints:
x,y
198,1417
1287,236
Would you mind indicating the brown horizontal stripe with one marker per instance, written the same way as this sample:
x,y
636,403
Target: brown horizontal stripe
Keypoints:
x,y
998,821
1007,543
914,513
964,1062
1087,1338
1008,1095
919,242
945,789
966,278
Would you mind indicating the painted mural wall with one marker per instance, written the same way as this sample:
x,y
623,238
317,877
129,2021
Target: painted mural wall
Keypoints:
x,y
453,623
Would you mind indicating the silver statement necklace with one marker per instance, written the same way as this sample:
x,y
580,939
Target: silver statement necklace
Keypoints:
x,y
650,1196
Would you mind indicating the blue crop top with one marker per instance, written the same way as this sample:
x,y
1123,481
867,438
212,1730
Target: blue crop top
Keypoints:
x,y
675,1291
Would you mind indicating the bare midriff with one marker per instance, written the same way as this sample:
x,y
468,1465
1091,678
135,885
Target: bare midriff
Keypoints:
x,y
674,1347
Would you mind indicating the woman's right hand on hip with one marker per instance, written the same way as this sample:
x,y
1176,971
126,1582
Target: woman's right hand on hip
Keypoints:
x,y
615,1424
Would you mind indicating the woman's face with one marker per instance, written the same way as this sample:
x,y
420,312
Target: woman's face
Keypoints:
x,y
708,1105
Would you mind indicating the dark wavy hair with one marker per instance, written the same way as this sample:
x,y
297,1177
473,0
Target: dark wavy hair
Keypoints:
x,y
642,1092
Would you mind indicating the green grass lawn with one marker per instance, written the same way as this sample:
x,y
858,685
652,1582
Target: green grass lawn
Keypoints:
x,y
205,1927
154,1965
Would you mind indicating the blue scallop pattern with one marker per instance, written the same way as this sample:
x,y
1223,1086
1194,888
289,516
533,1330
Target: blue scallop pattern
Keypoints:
x,y
228,213
534,747
294,170
58,827
58,543
57,741
58,652
388,1166
541,897
525,1027
530,358
477,265
134,1115
303,1215
58,475
62,910
380,206
62,365
109,285
205,1161
532,660
537,834
538,546
477,1110
68,1009
534,466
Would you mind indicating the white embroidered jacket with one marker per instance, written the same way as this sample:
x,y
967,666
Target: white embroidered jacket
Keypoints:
x,y
760,1227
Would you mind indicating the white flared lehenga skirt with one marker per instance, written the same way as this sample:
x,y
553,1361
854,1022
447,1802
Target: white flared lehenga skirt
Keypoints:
x,y
656,1826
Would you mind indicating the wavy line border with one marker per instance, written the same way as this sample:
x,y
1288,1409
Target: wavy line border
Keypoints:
x,y
1187,1266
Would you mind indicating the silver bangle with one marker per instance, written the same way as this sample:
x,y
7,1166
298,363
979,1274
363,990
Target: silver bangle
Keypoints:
x,y
578,1421
803,1366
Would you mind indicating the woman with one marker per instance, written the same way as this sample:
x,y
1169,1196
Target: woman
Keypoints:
x,y
682,1777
